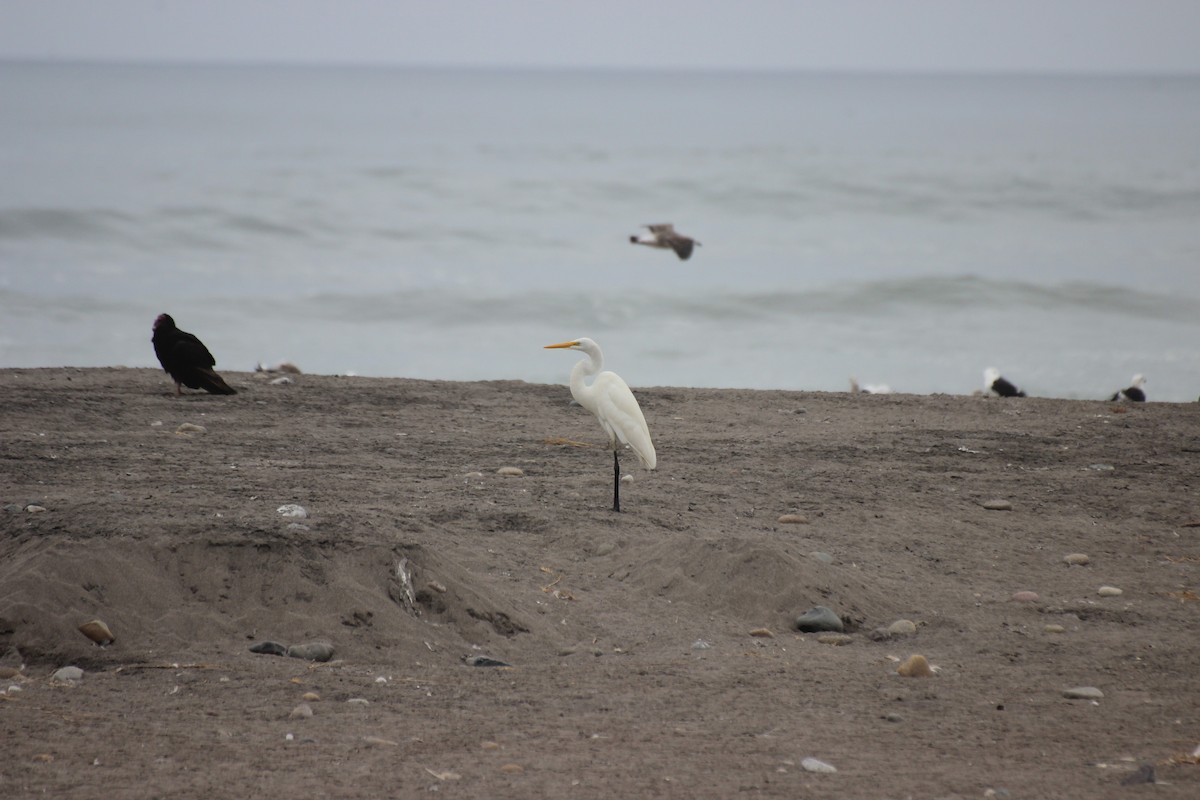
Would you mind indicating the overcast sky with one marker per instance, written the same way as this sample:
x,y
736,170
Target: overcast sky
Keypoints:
x,y
875,35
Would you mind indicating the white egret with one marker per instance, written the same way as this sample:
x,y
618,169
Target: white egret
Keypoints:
x,y
610,400
664,236
994,383
1135,392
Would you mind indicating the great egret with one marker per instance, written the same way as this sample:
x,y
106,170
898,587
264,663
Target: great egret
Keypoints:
x,y
1134,391
664,236
994,383
610,400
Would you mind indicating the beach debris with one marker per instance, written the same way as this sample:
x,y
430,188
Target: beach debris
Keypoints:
x,y
1025,597
701,644
67,675
1076,559
292,511
1101,467
511,472
282,380
269,648
997,505
811,764
444,776
484,661
188,428
915,666
377,741
408,595
1109,591
282,366
1083,693
98,632
792,519
819,618
1144,774
835,639
312,651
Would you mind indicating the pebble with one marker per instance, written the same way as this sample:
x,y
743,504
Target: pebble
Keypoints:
x,y
818,555
817,765
511,472
188,428
12,508
819,618
915,666
1025,597
490,745
1076,559
34,509
311,697
701,644
313,651
302,711
437,587
98,632
997,505
1102,467
762,633
68,675
292,510
1109,591
359,701
1054,629
793,519
512,769
902,627
473,476
282,380
835,639
1083,693
9,672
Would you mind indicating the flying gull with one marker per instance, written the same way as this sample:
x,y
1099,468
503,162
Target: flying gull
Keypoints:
x,y
664,236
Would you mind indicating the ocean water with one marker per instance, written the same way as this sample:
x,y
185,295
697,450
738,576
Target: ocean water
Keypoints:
x,y
437,223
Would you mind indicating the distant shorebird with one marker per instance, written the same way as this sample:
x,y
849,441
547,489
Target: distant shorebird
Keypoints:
x,y
664,236
1134,392
992,382
868,388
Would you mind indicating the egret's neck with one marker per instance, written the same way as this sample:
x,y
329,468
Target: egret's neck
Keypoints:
x,y
582,370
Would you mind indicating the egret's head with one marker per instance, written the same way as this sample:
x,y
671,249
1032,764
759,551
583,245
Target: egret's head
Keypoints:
x,y
582,343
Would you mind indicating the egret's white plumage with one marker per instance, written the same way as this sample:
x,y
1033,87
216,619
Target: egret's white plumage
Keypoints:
x,y
610,400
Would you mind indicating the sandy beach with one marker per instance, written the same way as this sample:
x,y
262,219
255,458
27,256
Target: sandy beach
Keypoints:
x,y
651,653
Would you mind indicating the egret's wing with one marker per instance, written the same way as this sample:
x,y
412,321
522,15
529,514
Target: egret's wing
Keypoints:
x,y
621,416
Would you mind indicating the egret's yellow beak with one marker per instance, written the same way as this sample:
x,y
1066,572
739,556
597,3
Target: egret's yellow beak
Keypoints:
x,y
560,345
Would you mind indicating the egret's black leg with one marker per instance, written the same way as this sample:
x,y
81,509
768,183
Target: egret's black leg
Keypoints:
x,y
616,482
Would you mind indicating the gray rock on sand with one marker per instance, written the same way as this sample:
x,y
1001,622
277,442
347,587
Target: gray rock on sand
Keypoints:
x,y
313,651
68,675
269,648
1083,693
819,618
